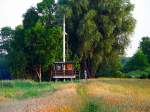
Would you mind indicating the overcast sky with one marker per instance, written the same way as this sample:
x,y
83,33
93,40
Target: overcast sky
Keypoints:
x,y
11,12
142,15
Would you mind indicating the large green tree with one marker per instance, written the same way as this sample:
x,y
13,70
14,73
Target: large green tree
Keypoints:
x,y
98,31
42,47
42,38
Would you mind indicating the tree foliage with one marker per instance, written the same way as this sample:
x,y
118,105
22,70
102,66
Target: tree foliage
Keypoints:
x,y
98,30
145,46
30,18
42,47
138,62
46,10
6,34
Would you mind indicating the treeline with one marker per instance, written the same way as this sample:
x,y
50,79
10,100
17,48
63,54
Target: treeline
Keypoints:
x,y
138,66
98,32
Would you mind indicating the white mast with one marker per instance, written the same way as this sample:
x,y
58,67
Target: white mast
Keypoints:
x,y
64,40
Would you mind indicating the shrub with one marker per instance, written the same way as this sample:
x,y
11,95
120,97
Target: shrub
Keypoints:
x,y
113,74
118,74
148,71
138,74
103,74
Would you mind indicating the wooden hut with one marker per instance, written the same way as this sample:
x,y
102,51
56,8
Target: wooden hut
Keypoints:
x,y
64,70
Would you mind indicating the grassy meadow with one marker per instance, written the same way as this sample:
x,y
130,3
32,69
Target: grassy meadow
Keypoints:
x,y
95,95
19,90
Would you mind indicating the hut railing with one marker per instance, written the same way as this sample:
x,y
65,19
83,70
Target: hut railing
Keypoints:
x,y
66,72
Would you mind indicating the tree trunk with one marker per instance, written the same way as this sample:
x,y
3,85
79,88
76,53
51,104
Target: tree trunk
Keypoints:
x,y
39,73
88,67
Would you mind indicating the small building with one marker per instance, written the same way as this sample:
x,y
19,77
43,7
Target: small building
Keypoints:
x,y
64,70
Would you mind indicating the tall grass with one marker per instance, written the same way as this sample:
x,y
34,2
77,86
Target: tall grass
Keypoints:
x,y
99,95
92,103
115,95
19,89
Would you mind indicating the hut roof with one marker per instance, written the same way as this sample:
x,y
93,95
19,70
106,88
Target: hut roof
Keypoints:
x,y
61,62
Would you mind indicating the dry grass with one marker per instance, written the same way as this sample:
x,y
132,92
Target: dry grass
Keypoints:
x,y
99,95
2,99
123,95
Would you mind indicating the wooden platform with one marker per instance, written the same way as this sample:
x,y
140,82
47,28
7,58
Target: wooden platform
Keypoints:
x,y
64,70
64,77
67,75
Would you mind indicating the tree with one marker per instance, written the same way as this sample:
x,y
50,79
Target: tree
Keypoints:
x,y
42,38
145,46
98,31
42,47
138,62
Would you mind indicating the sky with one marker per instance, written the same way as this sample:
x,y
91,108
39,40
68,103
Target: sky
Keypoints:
x,y
142,15
11,14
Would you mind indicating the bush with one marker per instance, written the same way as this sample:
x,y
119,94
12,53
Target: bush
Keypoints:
x,y
115,74
148,71
118,74
103,74
138,74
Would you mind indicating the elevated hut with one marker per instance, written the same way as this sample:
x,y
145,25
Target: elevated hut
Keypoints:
x,y
69,72
64,69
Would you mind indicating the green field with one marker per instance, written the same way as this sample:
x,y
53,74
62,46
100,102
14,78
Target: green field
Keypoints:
x,y
96,95
24,89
